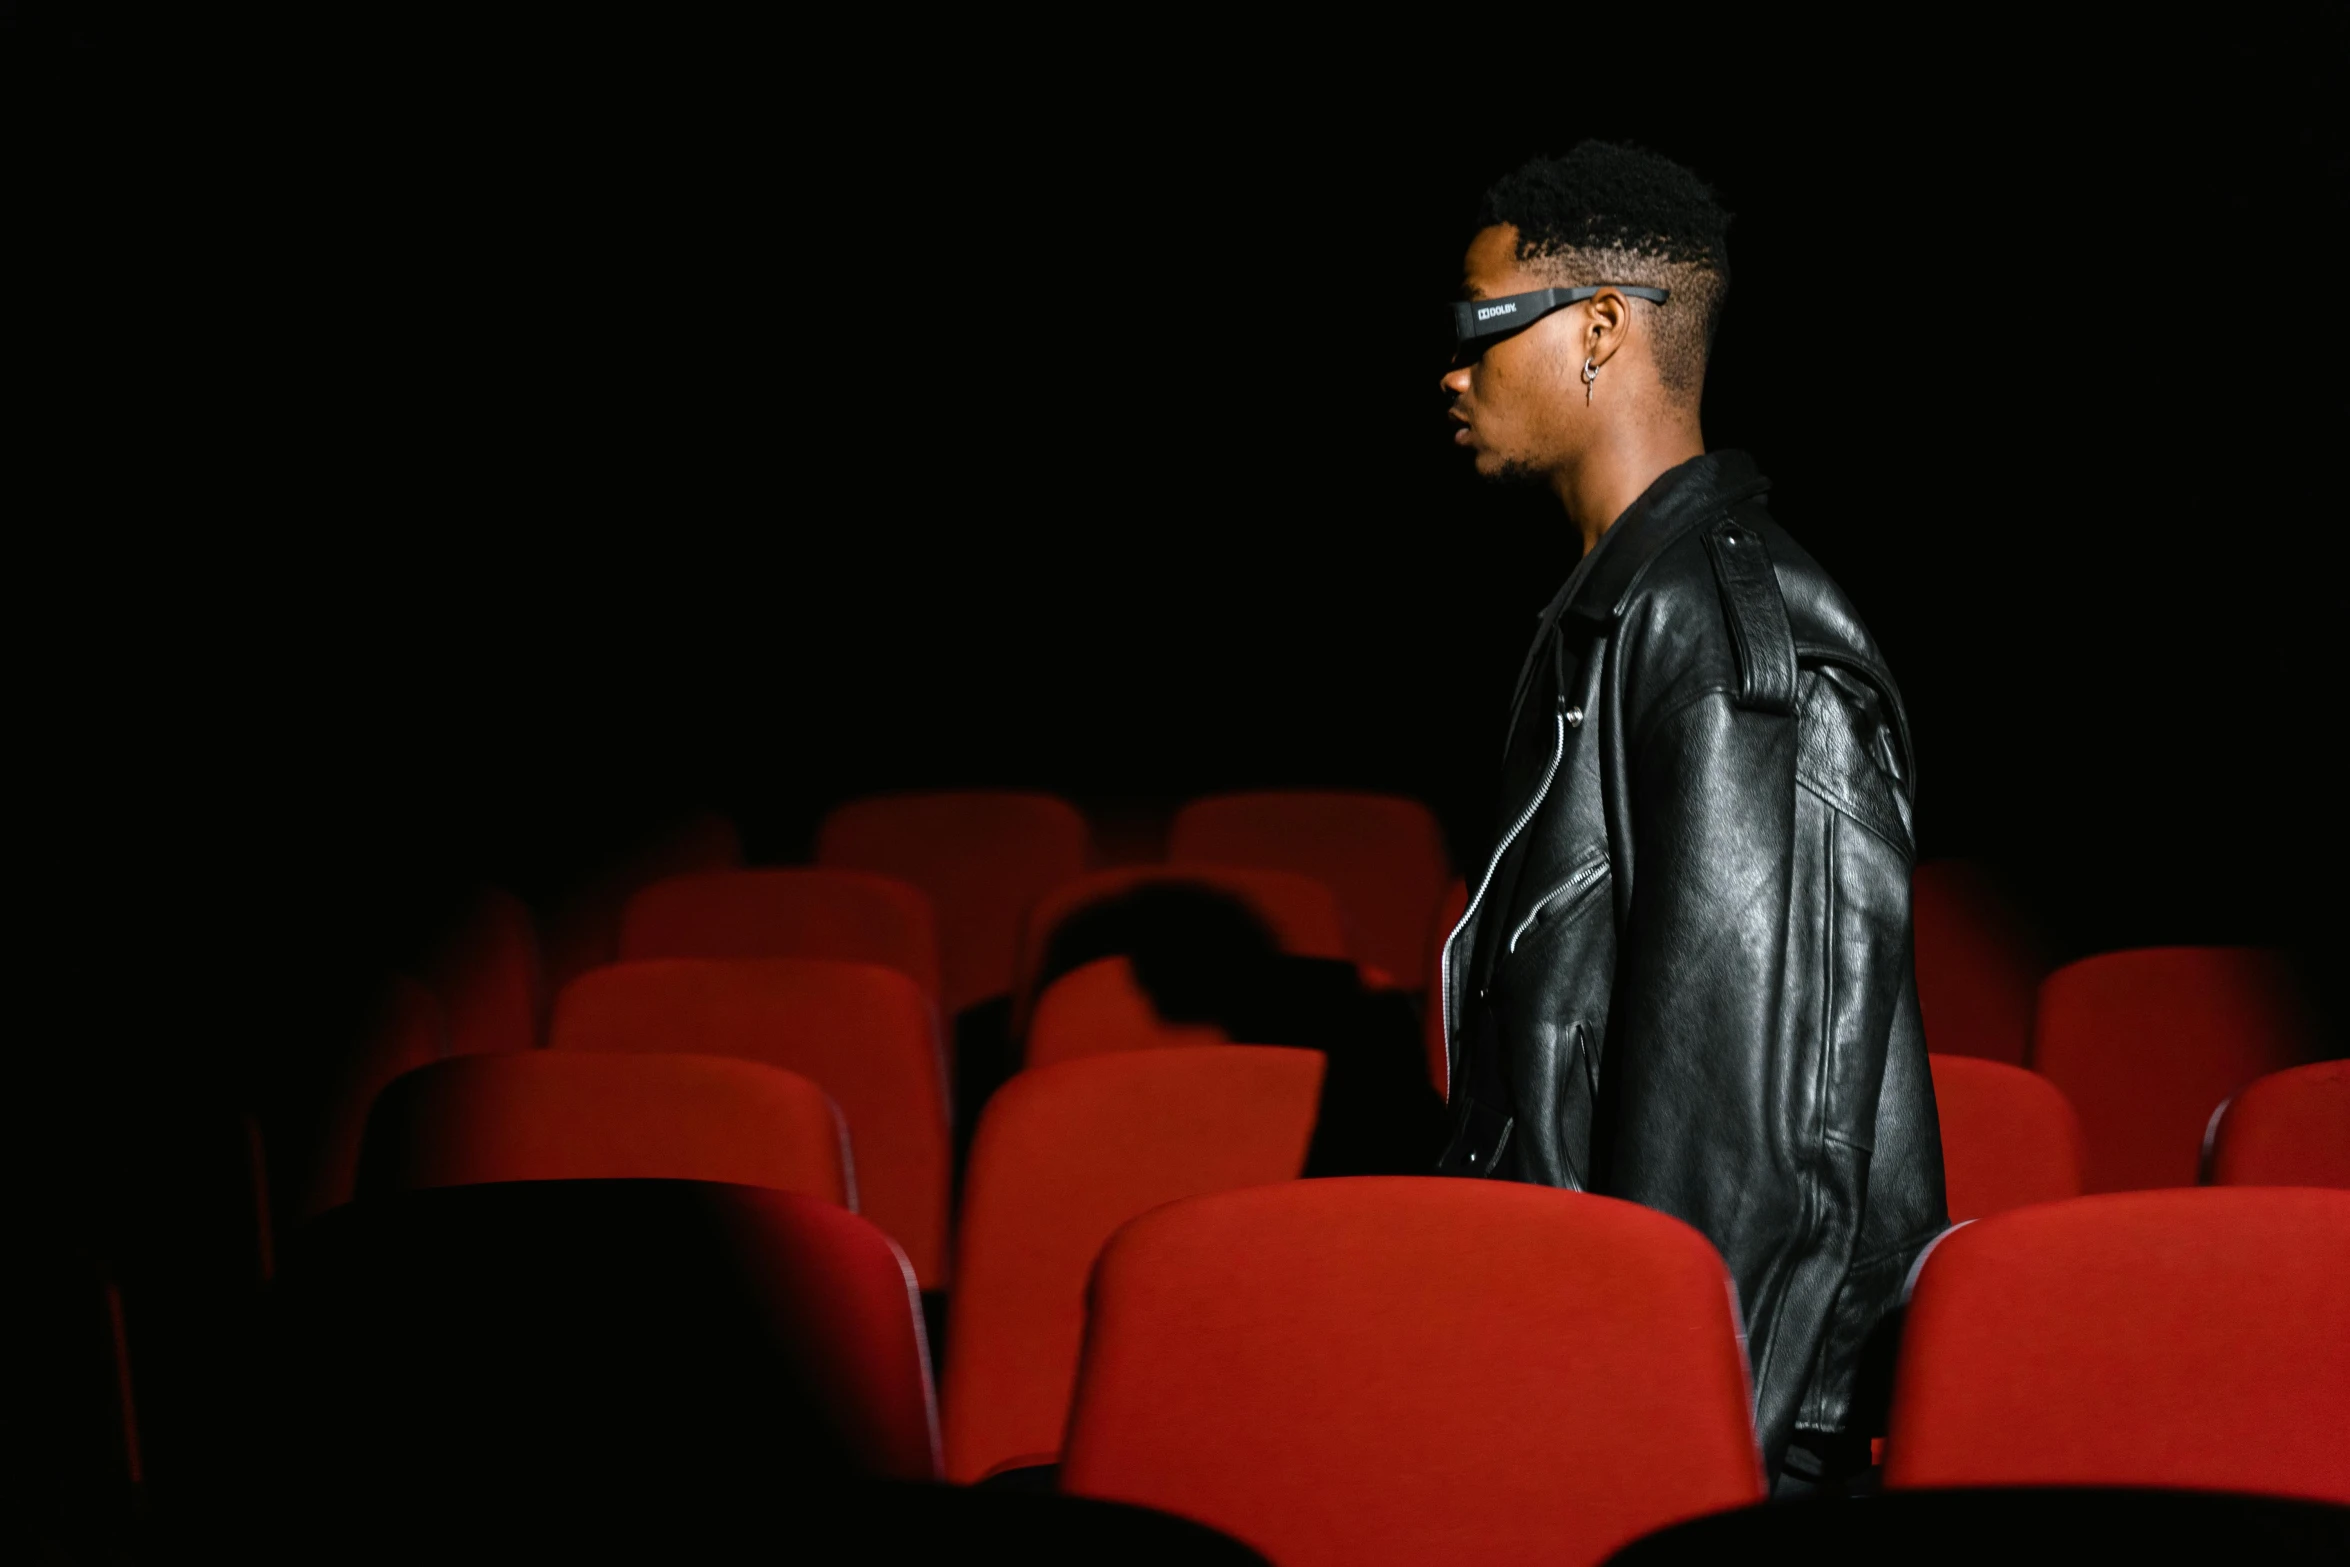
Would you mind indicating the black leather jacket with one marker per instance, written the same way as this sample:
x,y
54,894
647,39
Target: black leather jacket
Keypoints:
x,y
1684,977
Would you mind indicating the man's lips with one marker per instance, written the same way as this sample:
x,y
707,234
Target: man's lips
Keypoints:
x,y
1466,435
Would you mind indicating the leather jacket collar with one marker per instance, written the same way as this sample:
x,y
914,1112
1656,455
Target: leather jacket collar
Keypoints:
x,y
1676,500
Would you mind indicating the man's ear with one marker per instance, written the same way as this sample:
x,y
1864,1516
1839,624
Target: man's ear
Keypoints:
x,y
1607,322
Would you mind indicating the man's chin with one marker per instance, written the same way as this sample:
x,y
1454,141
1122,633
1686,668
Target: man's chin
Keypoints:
x,y
1508,472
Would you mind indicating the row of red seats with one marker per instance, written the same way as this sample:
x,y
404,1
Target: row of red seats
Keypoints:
x,y
1404,1370
1068,1153
2151,1041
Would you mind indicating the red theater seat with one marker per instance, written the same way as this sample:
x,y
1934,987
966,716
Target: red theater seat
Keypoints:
x,y
2198,1339
488,979
1098,1008
568,1115
1383,856
1414,1370
410,1033
863,1033
1448,915
984,857
1978,976
1065,1155
2147,1044
2289,1128
2008,1137
846,916
1301,914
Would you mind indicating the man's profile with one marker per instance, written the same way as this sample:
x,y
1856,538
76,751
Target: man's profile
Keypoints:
x,y
1684,976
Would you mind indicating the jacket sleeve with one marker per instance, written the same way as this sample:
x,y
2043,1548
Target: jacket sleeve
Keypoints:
x,y
1716,1082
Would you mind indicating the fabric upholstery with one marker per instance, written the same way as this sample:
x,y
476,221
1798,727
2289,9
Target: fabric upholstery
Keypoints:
x,y
2196,1338
1064,1156
1414,1370
983,857
863,1033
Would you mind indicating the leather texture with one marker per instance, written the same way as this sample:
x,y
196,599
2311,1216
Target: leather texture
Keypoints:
x,y
1685,974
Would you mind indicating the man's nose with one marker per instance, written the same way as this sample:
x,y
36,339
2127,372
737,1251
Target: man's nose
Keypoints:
x,y
1456,382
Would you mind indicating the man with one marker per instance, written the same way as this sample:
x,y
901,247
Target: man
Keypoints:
x,y
1684,976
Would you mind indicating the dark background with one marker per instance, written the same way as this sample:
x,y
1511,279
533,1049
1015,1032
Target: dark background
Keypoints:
x,y
457,443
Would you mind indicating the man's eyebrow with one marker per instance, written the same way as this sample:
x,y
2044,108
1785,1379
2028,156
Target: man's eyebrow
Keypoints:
x,y
1471,290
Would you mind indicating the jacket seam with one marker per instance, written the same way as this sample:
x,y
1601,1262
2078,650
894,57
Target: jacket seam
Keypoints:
x,y
1874,671
1658,720
1826,1069
1767,1328
1845,809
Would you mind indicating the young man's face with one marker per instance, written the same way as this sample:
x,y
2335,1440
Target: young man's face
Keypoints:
x,y
1517,402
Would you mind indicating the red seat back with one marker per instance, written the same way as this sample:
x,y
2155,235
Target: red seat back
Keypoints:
x,y
567,1115
847,916
409,1033
1382,855
984,857
1097,1008
1414,1370
843,1289
2147,1044
488,979
2198,1339
1448,915
1301,913
862,1033
1064,1155
2290,1128
2008,1137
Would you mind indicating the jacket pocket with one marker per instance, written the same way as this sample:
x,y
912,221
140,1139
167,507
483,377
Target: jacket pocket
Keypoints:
x,y
1586,876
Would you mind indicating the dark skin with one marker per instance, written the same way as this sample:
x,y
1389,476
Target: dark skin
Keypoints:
x,y
1522,405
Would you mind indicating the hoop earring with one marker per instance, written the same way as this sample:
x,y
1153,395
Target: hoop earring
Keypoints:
x,y
1590,375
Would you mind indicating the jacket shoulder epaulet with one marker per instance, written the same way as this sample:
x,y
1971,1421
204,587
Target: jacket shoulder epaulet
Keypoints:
x,y
1757,613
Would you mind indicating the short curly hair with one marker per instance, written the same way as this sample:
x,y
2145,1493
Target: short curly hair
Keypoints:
x,y
1607,212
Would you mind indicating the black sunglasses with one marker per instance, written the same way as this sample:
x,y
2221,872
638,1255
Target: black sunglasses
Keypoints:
x,y
1477,322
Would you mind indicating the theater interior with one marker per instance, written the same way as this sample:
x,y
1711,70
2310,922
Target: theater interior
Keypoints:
x,y
743,744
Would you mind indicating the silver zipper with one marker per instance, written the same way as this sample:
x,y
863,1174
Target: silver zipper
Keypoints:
x,y
1563,894
1444,966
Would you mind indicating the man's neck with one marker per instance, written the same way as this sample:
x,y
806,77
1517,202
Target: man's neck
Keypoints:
x,y
1617,469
